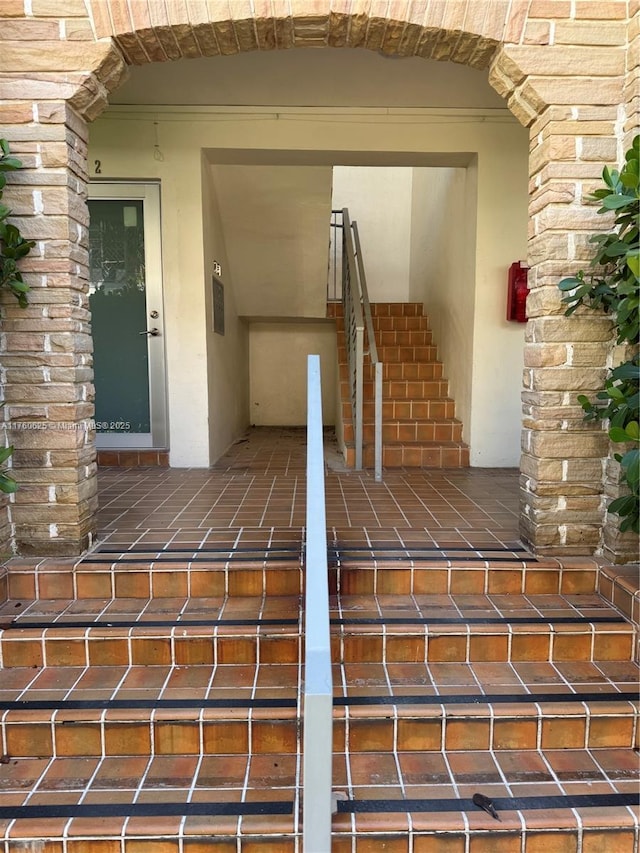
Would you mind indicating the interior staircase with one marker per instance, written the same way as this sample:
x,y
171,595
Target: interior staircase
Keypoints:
x,y
419,427
151,702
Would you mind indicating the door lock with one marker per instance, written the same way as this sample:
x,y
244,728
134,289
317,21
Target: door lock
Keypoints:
x,y
154,315
153,333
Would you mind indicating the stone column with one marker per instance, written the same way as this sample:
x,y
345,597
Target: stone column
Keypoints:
x,y
49,88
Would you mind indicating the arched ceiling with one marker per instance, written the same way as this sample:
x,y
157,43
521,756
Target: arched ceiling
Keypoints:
x,y
342,77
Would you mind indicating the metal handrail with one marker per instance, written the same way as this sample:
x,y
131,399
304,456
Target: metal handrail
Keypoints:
x,y
318,681
373,355
354,331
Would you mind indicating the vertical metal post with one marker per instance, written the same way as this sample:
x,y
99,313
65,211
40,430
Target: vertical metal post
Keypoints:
x,y
318,684
359,395
378,421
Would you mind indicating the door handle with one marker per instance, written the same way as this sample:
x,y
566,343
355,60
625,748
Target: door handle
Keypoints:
x,y
153,333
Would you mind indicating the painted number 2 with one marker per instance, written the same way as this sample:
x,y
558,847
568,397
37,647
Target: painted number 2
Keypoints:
x,y
98,166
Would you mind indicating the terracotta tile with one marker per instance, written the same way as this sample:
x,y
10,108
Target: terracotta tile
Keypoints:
x,y
571,647
615,646
493,843
31,739
552,842
563,733
447,648
610,732
22,653
127,739
78,739
439,843
467,734
21,585
515,734
274,736
152,651
470,582
543,582
614,841
488,648
530,647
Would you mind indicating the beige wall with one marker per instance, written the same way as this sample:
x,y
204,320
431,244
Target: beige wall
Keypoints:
x,y
228,354
473,224
444,206
276,226
123,139
279,371
379,200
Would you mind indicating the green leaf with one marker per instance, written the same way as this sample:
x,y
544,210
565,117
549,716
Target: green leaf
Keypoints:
x,y
5,453
613,202
617,434
7,484
623,505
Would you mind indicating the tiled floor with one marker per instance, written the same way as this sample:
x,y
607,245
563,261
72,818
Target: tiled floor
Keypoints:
x,y
150,693
260,483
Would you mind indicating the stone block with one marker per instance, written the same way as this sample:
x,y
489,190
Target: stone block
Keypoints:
x,y
568,379
545,355
577,90
601,10
590,33
589,327
568,445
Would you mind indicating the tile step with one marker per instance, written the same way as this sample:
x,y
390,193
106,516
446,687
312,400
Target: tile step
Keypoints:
x,y
119,711
418,571
425,387
408,431
250,803
395,323
418,454
455,640
397,371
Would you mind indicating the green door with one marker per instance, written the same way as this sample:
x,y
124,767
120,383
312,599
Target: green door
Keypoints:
x,y
125,297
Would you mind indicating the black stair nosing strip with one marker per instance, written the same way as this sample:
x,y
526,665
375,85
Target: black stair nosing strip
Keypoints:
x,y
482,620
295,558
291,702
451,804
444,559
334,549
484,698
18,623
134,550
99,810
426,548
143,704
154,623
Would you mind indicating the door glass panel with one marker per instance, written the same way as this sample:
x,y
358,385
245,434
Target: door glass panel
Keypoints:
x,y
119,313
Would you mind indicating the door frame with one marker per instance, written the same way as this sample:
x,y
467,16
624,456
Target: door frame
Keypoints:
x,y
149,193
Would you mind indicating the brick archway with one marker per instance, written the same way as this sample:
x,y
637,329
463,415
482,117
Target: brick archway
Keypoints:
x,y
541,57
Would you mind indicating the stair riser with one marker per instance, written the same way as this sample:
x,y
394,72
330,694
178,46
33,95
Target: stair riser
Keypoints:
x,y
395,354
401,372
78,734
462,647
438,578
420,390
402,729
458,730
414,457
144,581
393,324
116,649
405,410
407,432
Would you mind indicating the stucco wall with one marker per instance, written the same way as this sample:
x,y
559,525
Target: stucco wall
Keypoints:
x,y
279,371
228,354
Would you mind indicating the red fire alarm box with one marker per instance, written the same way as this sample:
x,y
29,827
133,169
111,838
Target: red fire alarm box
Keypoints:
x,y
517,292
